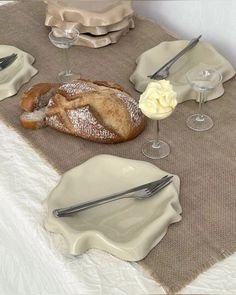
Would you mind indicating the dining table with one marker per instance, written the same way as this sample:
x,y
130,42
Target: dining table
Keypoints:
x,y
35,261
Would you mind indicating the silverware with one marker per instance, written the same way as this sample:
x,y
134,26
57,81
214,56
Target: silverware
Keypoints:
x,y
141,192
163,72
6,57
7,61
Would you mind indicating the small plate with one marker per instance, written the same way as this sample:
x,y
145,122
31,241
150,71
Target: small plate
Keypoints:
x,y
52,21
18,73
127,228
98,41
203,54
90,13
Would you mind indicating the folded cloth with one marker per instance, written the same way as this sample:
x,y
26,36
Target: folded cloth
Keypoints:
x,y
18,73
203,54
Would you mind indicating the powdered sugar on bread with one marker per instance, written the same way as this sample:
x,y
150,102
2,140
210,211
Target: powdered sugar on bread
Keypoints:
x,y
86,125
98,111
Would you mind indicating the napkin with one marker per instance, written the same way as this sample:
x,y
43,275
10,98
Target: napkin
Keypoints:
x,y
18,73
203,54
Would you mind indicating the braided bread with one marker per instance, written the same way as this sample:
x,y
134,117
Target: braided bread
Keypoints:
x,y
99,111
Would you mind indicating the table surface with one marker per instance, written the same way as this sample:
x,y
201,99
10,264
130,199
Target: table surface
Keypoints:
x,y
32,259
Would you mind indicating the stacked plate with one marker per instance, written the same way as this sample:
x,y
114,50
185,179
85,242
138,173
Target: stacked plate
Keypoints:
x,y
100,22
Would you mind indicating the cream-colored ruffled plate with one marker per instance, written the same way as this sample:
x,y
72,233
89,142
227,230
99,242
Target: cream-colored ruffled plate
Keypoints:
x,y
90,13
127,228
99,30
203,54
103,40
18,73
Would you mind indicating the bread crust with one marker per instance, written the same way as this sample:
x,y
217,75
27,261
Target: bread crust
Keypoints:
x,y
30,99
33,120
100,111
31,124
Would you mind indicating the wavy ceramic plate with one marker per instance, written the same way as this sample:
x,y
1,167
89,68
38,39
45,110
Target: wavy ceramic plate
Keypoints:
x,y
52,21
127,228
18,73
203,54
90,13
89,40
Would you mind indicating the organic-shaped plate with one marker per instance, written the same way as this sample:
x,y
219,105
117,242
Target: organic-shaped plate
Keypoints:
x,y
18,73
127,228
52,21
90,13
202,55
98,41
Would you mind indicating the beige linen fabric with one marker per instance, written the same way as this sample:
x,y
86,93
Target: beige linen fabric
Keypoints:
x,y
205,162
202,55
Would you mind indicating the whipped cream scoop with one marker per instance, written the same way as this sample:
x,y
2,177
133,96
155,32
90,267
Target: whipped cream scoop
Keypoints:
x,y
158,100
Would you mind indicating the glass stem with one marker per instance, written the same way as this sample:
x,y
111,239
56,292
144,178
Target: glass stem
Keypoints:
x,y
156,143
66,60
200,108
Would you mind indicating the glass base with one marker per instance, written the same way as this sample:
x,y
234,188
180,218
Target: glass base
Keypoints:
x,y
64,77
199,122
156,149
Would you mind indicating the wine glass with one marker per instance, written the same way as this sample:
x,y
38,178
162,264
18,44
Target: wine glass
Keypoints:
x,y
156,148
65,38
202,80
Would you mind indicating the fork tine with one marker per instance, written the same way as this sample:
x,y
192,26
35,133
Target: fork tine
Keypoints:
x,y
159,188
166,179
8,61
2,59
158,181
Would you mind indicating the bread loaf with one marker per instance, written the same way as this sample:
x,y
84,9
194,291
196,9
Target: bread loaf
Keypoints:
x,y
33,120
38,96
99,111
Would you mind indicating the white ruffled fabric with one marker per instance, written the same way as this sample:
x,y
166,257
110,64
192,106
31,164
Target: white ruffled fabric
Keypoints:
x,y
32,260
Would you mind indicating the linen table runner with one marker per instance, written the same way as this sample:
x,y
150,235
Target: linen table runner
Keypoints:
x,y
205,162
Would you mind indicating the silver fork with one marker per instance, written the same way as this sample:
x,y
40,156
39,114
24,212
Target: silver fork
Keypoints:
x,y
6,57
163,72
7,61
140,192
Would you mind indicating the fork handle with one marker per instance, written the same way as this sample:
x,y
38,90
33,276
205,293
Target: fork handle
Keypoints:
x,y
189,46
60,212
90,204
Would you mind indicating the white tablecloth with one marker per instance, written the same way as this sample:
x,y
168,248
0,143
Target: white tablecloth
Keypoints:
x,y
32,260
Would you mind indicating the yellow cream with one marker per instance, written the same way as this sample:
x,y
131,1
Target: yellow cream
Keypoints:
x,y
158,100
